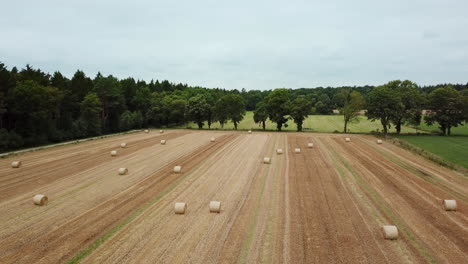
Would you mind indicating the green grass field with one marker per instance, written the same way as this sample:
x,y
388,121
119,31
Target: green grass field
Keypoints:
x,y
453,149
456,131
314,123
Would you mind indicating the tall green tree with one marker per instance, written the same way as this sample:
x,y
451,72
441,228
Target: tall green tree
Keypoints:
x,y
129,89
221,111
141,101
300,109
324,104
210,113
197,109
381,105
352,102
36,75
174,109
278,107
260,114
447,107
411,102
80,86
235,106
110,94
7,83
156,114
36,109
91,109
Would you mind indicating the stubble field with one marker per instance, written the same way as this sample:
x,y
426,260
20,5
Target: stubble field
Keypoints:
x,y
324,205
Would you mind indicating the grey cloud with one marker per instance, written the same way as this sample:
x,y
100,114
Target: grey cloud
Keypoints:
x,y
235,44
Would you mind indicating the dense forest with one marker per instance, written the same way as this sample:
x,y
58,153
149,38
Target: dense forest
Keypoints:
x,y
39,108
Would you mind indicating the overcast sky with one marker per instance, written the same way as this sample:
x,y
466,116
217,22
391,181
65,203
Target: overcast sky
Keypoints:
x,y
242,44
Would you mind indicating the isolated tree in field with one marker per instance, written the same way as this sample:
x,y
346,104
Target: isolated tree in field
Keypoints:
x,y
411,101
278,107
300,109
447,107
197,109
381,104
90,119
352,102
260,114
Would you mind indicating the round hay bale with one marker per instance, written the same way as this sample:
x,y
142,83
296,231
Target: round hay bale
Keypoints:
x,y
450,205
310,145
279,151
146,131
123,171
163,142
114,153
215,207
347,139
161,131
179,208
177,169
250,131
390,232
16,164
266,160
379,141
40,199
297,150
123,145
212,139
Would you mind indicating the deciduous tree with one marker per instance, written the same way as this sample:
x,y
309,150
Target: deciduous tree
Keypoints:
x,y
278,107
91,109
197,109
353,102
300,109
381,105
260,114
447,107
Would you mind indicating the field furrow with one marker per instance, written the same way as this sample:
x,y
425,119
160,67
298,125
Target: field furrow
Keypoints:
x,y
326,204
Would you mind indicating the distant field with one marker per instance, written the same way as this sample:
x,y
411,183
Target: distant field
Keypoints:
x,y
314,123
453,149
460,130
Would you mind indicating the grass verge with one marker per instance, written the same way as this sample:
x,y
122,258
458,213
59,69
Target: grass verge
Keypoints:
x,y
451,152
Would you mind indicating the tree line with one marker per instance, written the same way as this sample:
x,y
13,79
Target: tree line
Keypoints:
x,y
38,108
395,103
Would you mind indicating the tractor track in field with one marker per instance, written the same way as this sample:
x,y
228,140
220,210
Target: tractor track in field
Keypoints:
x,y
178,236
431,233
257,235
32,176
328,227
324,205
56,245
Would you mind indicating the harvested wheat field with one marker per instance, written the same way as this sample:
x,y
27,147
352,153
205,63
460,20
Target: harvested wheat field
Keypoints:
x,y
326,204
